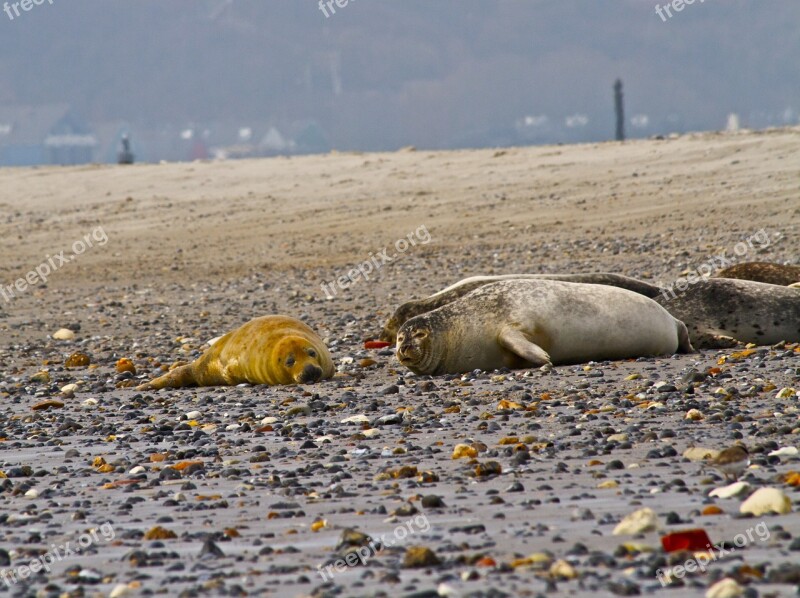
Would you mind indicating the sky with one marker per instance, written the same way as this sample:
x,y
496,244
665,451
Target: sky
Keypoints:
x,y
384,74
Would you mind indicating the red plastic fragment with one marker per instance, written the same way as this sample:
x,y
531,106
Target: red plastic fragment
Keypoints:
x,y
691,539
376,344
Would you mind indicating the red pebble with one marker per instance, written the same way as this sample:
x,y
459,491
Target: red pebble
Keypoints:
x,y
692,539
376,344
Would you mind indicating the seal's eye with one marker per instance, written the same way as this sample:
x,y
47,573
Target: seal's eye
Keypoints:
x,y
420,334
290,361
312,353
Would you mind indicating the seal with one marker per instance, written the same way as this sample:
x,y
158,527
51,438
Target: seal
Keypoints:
x,y
721,312
267,350
523,323
420,306
767,272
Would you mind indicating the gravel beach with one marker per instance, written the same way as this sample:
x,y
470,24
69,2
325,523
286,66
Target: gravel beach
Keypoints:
x,y
265,490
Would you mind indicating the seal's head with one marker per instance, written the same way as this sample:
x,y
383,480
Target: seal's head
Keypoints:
x,y
416,347
299,360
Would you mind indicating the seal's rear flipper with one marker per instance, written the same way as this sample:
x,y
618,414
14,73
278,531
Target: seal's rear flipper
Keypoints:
x,y
515,341
684,344
177,378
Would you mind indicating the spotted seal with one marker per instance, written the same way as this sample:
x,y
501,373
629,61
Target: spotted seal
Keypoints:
x,y
524,323
720,312
420,306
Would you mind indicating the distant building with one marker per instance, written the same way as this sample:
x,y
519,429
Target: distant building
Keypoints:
x,y
49,134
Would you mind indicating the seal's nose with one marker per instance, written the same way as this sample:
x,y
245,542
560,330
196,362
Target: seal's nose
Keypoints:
x,y
311,373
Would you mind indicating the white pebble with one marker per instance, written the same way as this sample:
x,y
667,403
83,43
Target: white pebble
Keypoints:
x,y
63,334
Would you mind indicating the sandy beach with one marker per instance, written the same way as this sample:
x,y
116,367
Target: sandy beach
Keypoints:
x,y
252,487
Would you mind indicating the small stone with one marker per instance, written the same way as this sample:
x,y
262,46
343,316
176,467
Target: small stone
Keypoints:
x,y
767,500
355,419
120,590
193,415
432,501
464,451
786,393
725,588
49,404
487,469
390,420
786,451
77,360
694,415
125,365
638,522
700,454
63,334
620,438
210,550
561,569
608,484
160,533
420,556
365,363
730,490
351,537
41,377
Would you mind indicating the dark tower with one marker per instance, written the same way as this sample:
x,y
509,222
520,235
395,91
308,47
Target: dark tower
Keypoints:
x,y
619,110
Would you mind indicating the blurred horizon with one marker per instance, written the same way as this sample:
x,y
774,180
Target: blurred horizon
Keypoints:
x,y
237,78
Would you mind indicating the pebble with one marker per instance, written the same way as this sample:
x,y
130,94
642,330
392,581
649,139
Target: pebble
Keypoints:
x,y
63,334
694,415
766,500
786,451
420,556
561,569
638,522
725,588
699,454
730,490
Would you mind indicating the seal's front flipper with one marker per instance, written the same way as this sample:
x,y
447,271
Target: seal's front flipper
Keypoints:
x,y
515,341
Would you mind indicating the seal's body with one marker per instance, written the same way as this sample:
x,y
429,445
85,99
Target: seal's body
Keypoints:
x,y
766,272
525,323
267,350
420,306
721,311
